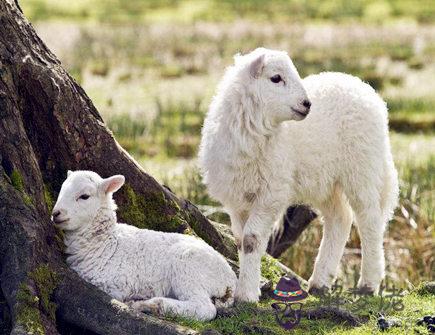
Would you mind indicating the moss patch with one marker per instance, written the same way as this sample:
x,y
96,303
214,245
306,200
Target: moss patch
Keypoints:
x,y
270,269
48,197
154,211
46,281
27,199
28,313
17,180
18,184
31,304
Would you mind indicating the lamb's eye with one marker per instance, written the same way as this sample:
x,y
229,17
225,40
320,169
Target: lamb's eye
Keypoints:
x,y
276,79
84,197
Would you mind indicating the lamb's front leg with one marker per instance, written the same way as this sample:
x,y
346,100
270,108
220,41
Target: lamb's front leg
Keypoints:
x,y
256,235
198,308
238,220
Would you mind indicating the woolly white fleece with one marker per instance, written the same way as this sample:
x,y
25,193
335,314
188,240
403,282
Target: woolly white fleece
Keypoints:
x,y
151,271
256,160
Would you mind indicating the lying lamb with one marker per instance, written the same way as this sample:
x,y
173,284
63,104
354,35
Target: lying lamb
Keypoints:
x,y
149,270
256,162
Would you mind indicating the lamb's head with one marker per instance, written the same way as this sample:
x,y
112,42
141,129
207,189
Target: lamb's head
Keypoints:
x,y
271,84
82,196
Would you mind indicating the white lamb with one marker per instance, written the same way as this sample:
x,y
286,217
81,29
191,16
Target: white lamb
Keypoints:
x,y
256,162
149,270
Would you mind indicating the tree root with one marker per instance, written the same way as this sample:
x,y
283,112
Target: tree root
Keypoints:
x,y
331,313
295,220
84,305
334,314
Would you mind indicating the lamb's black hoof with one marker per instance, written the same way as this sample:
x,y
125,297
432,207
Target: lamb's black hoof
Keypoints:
x,y
318,291
365,290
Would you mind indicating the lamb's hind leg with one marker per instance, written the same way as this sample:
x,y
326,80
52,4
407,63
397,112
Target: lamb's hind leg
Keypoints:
x,y
337,221
197,308
371,230
370,222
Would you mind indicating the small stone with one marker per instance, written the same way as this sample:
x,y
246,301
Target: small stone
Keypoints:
x,y
427,319
420,322
318,291
427,288
384,324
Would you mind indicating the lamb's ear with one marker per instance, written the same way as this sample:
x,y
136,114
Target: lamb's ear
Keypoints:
x,y
256,66
237,57
112,184
69,173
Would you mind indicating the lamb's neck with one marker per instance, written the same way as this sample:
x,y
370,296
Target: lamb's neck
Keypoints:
x,y
251,140
92,237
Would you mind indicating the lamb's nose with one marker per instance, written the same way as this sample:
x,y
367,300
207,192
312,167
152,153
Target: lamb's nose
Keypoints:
x,y
55,214
306,104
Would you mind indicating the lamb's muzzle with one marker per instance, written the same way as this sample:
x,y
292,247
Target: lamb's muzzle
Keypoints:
x,y
307,104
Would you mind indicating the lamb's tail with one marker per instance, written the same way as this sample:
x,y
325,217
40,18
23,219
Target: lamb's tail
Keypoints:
x,y
390,190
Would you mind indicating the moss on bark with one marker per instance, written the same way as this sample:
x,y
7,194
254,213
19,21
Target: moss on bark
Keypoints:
x,y
18,183
32,301
46,282
270,269
17,180
28,313
146,212
48,196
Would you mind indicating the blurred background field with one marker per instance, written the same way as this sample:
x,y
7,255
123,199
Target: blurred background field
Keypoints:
x,y
151,68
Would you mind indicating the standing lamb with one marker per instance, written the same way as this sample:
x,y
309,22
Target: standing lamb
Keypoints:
x,y
151,271
256,162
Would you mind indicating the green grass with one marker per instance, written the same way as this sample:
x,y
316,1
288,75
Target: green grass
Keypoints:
x,y
415,307
173,132
412,115
228,10
260,319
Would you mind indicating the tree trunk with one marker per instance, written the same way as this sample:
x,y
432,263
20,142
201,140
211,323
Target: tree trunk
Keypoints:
x,y
49,125
294,222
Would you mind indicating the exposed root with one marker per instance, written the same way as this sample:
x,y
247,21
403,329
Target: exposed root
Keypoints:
x,y
334,314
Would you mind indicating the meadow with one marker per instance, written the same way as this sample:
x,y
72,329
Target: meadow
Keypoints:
x,y
151,68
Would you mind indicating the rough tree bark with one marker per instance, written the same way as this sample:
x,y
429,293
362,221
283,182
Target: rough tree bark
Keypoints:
x,y
49,125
